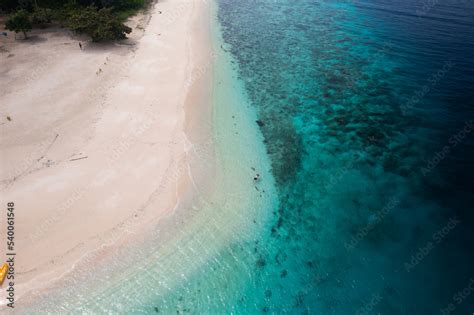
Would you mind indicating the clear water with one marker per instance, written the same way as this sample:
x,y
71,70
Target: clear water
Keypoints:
x,y
353,138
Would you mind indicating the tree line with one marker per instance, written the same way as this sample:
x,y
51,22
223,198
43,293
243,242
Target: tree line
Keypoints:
x,y
100,19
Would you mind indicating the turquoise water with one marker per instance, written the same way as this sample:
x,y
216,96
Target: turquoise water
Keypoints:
x,y
372,217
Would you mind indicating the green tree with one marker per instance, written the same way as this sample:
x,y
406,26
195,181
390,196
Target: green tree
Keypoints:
x,y
19,22
109,26
98,24
42,16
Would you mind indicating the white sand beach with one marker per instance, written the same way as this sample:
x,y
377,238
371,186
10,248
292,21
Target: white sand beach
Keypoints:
x,y
94,141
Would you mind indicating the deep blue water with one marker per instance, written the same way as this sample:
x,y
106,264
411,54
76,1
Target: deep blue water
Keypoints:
x,y
363,105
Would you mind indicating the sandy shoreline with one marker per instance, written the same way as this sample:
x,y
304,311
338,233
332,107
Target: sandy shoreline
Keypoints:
x,y
97,142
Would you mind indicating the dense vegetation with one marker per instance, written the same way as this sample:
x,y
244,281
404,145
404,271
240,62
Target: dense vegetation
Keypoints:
x,y
100,19
19,22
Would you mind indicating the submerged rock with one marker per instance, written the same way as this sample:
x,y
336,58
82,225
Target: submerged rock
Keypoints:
x,y
261,262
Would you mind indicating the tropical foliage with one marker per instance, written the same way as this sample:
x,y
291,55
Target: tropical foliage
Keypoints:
x,y
100,19
19,22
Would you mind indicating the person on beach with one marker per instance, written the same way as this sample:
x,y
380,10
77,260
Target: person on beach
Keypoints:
x,y
80,46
